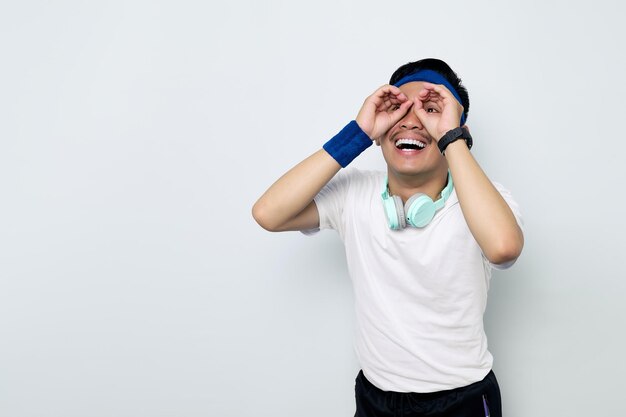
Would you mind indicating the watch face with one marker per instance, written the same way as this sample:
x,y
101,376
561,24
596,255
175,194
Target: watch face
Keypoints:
x,y
468,138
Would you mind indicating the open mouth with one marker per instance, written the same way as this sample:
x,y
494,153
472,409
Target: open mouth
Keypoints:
x,y
405,144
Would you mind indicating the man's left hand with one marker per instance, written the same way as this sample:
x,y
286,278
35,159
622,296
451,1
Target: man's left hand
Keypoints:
x,y
438,110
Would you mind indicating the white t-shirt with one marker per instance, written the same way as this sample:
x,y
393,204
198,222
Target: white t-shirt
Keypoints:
x,y
420,294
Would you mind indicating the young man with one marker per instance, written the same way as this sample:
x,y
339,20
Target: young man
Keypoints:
x,y
421,240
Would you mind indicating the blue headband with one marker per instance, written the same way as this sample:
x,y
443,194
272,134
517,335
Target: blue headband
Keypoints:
x,y
432,77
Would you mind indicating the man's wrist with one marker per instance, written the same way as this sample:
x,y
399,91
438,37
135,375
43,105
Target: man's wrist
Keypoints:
x,y
454,135
348,144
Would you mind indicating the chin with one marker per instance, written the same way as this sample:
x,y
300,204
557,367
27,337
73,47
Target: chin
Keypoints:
x,y
409,172
415,166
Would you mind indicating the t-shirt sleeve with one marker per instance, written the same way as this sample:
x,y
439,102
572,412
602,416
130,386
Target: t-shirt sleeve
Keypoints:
x,y
508,197
330,202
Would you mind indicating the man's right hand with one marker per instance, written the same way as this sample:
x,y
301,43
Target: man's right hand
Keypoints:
x,y
382,110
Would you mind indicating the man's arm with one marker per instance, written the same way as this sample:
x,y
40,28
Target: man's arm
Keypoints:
x,y
487,214
288,204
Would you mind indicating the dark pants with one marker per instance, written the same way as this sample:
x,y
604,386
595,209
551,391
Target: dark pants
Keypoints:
x,y
479,399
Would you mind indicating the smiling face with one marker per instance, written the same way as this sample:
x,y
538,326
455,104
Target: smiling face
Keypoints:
x,y
407,147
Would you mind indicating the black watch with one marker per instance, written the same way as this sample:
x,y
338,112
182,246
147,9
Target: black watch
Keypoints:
x,y
455,134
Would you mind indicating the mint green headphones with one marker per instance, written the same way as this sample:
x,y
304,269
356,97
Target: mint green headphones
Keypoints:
x,y
419,209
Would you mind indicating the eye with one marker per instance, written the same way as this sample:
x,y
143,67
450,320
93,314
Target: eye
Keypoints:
x,y
431,108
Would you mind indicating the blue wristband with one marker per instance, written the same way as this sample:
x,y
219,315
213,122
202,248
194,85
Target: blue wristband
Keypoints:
x,y
348,144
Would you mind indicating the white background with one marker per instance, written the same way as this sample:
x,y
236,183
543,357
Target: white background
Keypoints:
x,y
135,137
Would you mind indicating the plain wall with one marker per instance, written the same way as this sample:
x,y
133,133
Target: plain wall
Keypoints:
x,y
136,135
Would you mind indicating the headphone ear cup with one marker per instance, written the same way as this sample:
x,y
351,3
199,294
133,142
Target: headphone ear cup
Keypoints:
x,y
420,210
394,220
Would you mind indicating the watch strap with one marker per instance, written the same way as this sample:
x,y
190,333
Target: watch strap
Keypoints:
x,y
454,135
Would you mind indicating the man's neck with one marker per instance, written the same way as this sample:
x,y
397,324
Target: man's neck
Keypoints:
x,y
405,186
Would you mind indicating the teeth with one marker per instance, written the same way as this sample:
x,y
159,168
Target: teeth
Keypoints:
x,y
414,142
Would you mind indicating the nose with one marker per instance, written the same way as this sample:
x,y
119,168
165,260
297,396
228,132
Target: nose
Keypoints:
x,y
411,121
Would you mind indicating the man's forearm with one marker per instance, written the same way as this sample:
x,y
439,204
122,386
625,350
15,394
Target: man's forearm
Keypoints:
x,y
487,214
288,203
288,197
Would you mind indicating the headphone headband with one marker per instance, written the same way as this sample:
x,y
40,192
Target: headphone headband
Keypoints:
x,y
445,193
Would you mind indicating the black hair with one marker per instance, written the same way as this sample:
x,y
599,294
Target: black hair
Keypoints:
x,y
438,66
